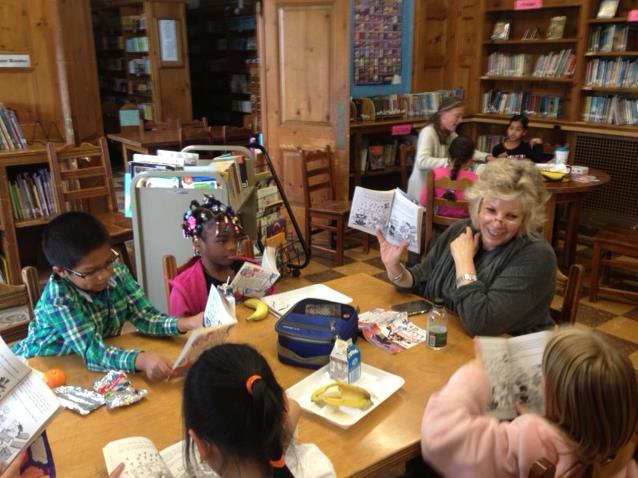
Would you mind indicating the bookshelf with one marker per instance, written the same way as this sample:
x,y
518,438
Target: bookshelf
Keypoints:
x,y
224,64
132,66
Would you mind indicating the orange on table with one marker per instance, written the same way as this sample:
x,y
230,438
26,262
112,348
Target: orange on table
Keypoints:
x,y
54,377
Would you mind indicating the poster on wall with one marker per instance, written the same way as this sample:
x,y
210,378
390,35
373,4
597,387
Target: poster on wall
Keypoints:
x,y
377,42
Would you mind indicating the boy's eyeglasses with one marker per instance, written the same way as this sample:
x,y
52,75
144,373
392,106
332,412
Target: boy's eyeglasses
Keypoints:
x,y
93,274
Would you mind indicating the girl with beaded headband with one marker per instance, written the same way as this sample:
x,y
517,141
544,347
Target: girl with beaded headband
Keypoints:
x,y
215,231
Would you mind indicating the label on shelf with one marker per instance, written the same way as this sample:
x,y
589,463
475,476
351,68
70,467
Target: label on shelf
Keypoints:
x,y
632,16
527,4
401,129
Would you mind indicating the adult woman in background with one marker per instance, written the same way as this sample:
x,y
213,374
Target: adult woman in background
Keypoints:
x,y
434,141
493,270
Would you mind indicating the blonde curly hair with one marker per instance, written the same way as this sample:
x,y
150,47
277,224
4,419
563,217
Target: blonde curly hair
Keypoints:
x,y
508,180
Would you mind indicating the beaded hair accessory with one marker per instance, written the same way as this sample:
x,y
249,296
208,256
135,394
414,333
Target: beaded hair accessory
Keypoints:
x,y
211,209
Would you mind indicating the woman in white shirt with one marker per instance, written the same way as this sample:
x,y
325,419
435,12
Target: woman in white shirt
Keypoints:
x,y
434,140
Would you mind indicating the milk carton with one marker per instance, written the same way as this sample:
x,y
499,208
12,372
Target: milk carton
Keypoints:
x,y
345,361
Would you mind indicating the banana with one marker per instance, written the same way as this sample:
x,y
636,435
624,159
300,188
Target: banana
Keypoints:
x,y
261,309
342,394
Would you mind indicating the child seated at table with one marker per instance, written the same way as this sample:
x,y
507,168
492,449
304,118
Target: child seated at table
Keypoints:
x,y
88,297
461,152
590,416
514,146
215,231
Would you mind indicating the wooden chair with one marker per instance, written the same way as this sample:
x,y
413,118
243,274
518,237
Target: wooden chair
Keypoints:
x,y
191,135
15,296
405,151
82,181
432,203
570,285
622,242
31,281
194,123
156,126
236,136
324,213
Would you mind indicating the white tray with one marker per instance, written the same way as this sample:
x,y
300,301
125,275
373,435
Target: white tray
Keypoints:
x,y
379,383
280,303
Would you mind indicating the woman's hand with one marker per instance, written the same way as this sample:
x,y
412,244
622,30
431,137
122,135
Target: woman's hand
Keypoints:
x,y
390,254
13,470
464,248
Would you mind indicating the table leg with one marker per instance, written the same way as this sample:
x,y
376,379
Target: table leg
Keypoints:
x,y
548,227
571,232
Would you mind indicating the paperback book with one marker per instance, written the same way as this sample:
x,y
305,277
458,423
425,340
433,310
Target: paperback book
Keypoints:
x,y
556,28
393,212
514,366
253,280
608,9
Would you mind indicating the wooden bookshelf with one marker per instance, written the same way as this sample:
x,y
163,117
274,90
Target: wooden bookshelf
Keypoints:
x,y
546,79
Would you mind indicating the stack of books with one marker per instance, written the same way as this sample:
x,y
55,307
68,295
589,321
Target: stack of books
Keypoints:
x,y
486,142
521,102
11,135
619,73
555,65
611,110
614,37
502,64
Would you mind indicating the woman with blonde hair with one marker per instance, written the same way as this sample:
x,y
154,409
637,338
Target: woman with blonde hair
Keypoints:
x,y
493,270
590,420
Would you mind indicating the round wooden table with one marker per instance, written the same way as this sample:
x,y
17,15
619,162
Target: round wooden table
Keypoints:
x,y
570,194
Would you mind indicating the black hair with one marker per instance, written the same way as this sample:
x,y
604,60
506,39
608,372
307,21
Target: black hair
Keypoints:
x,y
220,410
209,214
68,238
522,119
461,151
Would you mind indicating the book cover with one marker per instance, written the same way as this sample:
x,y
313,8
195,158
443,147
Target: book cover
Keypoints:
x,y
501,30
253,280
607,9
556,27
514,366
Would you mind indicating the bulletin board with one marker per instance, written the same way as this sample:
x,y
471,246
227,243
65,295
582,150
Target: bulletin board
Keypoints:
x,y
381,46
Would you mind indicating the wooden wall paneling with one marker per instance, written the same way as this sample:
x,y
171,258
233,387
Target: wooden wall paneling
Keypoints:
x,y
79,65
304,68
170,84
464,66
431,45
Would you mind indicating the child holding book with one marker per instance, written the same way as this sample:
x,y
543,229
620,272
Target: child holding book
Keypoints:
x,y
215,231
590,416
514,146
88,297
461,153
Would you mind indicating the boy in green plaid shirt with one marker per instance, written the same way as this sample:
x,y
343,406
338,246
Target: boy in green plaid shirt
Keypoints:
x,y
88,297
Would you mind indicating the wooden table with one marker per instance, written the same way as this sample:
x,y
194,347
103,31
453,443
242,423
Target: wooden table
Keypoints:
x,y
389,435
146,142
571,194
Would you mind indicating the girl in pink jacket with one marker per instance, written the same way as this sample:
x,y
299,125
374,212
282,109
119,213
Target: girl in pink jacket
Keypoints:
x,y
591,414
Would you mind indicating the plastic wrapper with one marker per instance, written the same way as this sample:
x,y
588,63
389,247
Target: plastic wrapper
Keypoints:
x,y
122,398
114,380
117,389
80,400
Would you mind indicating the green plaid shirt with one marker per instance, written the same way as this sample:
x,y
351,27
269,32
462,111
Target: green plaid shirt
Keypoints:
x,y
69,320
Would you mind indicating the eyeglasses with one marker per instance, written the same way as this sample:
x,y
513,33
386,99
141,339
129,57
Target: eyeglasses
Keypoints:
x,y
95,273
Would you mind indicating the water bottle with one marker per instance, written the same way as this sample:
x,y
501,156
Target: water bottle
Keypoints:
x,y
437,325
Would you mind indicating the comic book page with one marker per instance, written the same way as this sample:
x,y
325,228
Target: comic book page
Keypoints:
x,y
253,280
370,209
515,369
140,457
12,370
173,457
405,222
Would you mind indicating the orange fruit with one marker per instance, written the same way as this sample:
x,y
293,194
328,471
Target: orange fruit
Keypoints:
x,y
54,377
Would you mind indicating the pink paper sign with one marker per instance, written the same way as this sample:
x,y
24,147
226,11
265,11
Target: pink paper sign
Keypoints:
x,y
632,16
401,129
527,4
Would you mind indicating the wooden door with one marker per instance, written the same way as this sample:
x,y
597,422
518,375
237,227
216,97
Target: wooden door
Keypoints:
x,y
304,59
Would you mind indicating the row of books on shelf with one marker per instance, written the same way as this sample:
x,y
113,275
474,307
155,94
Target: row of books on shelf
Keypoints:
x,y
379,156
11,134
137,45
559,64
619,73
271,223
487,142
614,37
399,105
521,102
615,110
32,195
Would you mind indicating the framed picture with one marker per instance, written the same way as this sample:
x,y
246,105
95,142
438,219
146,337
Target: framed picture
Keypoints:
x,y
170,42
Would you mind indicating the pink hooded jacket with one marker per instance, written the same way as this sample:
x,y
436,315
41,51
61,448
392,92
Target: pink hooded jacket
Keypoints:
x,y
459,440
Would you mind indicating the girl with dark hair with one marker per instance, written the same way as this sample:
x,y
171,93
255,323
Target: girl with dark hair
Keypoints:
x,y
434,142
239,421
461,153
215,232
514,146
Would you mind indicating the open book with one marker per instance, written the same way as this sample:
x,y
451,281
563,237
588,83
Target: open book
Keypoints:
x,y
253,280
398,217
27,405
219,318
142,460
514,366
